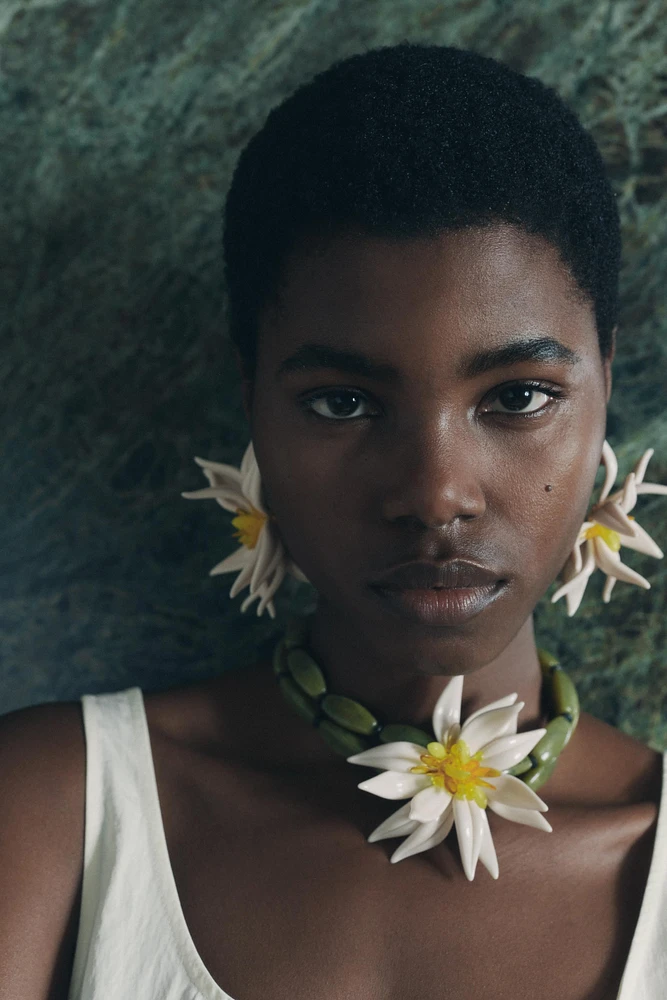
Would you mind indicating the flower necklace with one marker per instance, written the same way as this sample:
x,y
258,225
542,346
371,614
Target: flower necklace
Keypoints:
x,y
452,775
449,776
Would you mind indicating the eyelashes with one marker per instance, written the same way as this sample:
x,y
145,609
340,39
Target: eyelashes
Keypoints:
x,y
514,400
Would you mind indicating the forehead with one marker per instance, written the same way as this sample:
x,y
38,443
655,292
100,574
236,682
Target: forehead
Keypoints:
x,y
462,289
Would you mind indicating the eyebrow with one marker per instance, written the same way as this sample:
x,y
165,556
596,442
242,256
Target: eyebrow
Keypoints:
x,y
312,357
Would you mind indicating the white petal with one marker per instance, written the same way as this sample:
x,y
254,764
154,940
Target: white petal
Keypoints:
x,y
248,462
507,751
398,756
267,556
610,563
641,541
263,553
611,469
477,832
426,835
272,573
574,598
252,485
629,498
447,708
509,699
277,567
224,497
394,785
237,560
574,588
429,804
528,817
463,820
256,596
640,468
243,579
652,488
220,474
271,587
575,585
398,824
572,584
510,791
611,515
489,725
608,587
487,851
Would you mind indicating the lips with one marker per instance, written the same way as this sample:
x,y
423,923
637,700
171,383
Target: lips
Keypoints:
x,y
457,574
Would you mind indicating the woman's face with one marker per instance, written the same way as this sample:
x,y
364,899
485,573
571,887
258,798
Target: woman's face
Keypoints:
x,y
460,415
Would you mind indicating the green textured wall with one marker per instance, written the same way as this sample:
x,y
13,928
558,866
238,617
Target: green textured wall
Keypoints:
x,y
120,123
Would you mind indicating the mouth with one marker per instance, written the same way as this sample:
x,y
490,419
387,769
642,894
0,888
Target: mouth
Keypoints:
x,y
440,605
444,594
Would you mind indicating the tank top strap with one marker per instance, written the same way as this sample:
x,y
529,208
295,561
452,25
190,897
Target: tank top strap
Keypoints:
x,y
113,786
133,940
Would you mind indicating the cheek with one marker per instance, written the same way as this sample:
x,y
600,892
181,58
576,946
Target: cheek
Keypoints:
x,y
315,502
552,518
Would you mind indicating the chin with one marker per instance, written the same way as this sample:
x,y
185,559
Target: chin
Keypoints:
x,y
433,632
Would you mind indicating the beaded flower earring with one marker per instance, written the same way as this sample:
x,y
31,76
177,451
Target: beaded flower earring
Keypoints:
x,y
262,559
607,528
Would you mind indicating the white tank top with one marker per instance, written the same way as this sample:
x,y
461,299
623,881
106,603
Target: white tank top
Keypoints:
x,y
133,941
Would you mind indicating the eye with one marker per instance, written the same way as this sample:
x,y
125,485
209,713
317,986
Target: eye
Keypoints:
x,y
342,404
522,397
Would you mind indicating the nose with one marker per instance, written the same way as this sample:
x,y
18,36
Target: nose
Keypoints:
x,y
437,480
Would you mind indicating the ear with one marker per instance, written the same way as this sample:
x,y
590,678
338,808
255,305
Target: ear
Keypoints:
x,y
607,363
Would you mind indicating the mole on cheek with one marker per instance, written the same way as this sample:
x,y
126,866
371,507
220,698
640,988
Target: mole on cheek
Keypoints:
x,y
548,488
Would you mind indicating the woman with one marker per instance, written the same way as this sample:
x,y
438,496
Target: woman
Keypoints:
x,y
422,254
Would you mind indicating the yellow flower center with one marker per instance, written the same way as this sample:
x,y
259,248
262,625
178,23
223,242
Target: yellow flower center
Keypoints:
x,y
610,537
456,771
249,524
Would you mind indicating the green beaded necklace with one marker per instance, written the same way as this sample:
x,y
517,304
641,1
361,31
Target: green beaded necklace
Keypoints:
x,y
349,727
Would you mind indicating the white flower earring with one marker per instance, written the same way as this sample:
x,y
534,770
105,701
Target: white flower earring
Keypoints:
x,y
262,558
607,529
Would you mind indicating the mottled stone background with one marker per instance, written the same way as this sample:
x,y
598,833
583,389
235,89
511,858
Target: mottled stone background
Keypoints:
x,y
120,123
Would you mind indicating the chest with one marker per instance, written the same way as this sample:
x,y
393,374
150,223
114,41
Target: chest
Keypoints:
x,y
283,897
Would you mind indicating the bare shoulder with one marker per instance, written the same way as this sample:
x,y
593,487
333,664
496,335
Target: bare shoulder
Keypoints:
x,y
42,790
613,767
208,711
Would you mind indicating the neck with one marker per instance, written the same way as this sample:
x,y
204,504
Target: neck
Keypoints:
x,y
400,693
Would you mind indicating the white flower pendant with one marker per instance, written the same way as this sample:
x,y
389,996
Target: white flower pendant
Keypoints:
x,y
262,558
607,529
454,779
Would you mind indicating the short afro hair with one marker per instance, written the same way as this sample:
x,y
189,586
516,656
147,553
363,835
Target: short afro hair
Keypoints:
x,y
407,141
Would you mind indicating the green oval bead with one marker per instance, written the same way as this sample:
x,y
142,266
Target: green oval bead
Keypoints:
x,y
557,735
537,776
306,673
296,632
546,660
342,740
520,768
395,732
279,664
564,695
350,714
297,699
